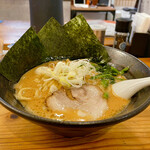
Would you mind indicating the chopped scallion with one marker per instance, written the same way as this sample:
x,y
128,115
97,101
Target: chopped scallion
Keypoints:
x,y
106,95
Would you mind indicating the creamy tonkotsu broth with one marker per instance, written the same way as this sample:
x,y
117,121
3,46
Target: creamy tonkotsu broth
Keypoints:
x,y
68,90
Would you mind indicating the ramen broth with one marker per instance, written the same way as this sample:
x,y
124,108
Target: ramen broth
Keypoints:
x,y
39,91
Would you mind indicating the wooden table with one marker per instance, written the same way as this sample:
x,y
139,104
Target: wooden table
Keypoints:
x,y
17,133
74,10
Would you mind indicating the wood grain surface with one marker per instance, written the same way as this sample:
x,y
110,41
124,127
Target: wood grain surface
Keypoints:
x,y
96,9
17,133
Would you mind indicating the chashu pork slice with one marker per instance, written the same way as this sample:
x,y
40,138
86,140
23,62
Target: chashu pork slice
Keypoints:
x,y
88,98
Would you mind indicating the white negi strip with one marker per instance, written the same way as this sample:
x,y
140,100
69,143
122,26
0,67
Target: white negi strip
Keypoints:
x,y
71,73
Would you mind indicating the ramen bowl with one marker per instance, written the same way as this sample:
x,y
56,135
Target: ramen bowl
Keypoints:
x,y
138,102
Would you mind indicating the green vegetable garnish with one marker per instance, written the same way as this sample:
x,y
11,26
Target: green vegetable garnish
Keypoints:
x,y
124,70
120,79
114,71
108,74
105,83
106,95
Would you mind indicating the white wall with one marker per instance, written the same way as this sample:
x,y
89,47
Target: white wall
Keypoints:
x,y
19,10
14,10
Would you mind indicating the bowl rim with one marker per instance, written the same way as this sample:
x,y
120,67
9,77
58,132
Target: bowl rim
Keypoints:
x,y
109,121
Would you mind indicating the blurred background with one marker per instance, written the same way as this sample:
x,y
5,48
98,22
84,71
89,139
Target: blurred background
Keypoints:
x,y
19,9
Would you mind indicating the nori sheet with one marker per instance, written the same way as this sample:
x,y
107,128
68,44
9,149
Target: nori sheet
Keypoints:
x,y
57,42
79,30
25,54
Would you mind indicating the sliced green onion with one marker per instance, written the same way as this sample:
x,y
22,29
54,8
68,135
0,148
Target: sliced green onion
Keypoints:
x,y
106,95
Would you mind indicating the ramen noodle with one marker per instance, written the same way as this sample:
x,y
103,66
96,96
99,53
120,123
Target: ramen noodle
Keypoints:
x,y
69,90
